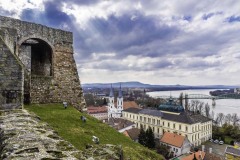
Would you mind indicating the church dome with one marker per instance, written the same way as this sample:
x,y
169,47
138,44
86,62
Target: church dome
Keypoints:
x,y
171,106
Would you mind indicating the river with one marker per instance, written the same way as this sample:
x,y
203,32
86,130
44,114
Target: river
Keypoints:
x,y
222,105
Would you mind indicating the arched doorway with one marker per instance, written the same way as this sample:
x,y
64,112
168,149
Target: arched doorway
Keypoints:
x,y
37,57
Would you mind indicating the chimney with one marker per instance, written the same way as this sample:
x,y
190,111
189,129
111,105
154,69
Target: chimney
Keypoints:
x,y
210,150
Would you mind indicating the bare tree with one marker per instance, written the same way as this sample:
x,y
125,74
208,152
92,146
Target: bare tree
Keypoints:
x,y
228,118
181,99
220,118
186,102
213,114
216,121
235,119
196,106
207,110
200,107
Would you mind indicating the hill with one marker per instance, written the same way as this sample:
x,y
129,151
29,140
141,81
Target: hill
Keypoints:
x,y
69,126
135,84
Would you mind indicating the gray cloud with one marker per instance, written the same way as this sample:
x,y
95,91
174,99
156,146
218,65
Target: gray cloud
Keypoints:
x,y
147,36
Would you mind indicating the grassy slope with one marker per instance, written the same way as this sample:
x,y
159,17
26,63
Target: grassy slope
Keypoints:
x,y
69,126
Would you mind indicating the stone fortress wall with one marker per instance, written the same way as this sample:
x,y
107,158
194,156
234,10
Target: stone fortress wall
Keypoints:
x,y
45,55
11,78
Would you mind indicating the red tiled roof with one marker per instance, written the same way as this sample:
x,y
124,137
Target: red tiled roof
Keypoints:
x,y
199,155
129,104
92,110
172,139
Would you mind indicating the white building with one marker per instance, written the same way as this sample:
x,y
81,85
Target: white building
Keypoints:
x,y
115,111
178,144
195,127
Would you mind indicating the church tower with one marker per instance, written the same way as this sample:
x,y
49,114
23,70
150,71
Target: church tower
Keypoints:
x,y
111,102
111,96
120,100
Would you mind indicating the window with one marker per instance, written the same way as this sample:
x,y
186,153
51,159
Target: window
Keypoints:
x,y
153,121
140,118
144,119
176,150
180,127
174,125
186,128
168,124
163,123
149,120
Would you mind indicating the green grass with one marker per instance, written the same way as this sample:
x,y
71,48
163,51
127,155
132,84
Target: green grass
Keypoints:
x,y
69,126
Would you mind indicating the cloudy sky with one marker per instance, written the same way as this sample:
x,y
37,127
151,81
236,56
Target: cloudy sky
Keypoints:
x,y
158,42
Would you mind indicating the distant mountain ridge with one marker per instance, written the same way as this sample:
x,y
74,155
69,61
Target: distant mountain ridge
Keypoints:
x,y
136,84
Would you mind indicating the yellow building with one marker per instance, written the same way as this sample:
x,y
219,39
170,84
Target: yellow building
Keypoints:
x,y
195,127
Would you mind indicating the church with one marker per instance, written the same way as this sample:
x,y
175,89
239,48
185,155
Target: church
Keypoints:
x,y
115,111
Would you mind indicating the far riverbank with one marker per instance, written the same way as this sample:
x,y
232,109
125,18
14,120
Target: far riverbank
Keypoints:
x,y
222,106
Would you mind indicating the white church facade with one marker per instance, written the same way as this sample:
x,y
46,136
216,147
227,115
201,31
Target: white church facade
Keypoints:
x,y
115,111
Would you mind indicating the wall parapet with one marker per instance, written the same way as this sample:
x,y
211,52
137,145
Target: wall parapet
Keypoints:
x,y
27,29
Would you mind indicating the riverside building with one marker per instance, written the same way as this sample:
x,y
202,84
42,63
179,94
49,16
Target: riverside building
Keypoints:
x,y
172,118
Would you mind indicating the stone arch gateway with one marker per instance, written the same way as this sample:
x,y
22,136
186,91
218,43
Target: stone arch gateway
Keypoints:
x,y
45,57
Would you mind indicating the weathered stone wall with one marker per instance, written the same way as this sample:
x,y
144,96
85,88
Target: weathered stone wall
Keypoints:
x,y
64,83
11,78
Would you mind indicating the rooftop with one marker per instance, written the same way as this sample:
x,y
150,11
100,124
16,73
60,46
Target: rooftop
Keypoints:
x,y
119,123
132,133
199,155
132,110
172,139
130,104
94,110
184,117
232,151
151,112
171,106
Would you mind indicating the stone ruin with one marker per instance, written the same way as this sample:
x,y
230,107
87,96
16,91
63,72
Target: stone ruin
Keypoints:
x,y
23,136
37,65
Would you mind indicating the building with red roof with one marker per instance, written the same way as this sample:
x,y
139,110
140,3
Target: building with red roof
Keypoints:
x,y
178,144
